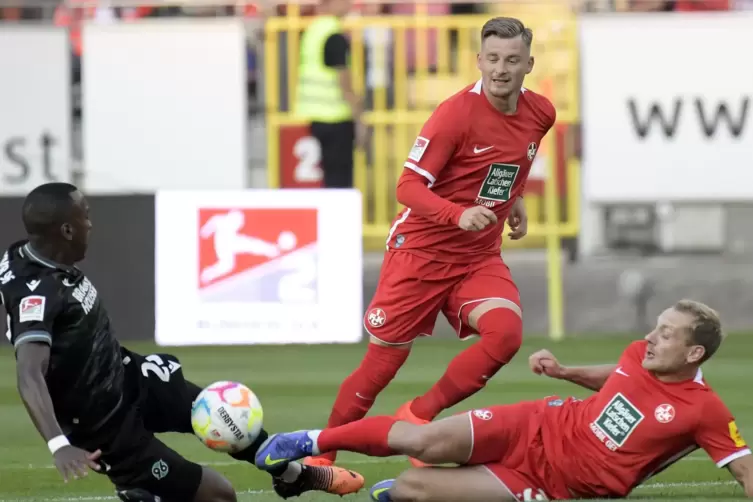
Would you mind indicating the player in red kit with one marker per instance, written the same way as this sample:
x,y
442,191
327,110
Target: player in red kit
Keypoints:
x,y
649,410
464,178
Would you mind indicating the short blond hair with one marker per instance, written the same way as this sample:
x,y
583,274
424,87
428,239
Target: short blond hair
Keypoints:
x,y
706,329
507,27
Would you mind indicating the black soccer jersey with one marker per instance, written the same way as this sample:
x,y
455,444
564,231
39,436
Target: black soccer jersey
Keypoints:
x,y
50,303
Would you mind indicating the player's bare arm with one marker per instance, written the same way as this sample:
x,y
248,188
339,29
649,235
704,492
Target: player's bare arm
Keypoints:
x,y
543,362
32,360
742,469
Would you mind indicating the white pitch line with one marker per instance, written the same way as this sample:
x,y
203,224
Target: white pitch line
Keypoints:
x,y
654,486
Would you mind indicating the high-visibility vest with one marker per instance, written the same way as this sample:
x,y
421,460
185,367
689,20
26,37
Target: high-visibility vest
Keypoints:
x,y
318,94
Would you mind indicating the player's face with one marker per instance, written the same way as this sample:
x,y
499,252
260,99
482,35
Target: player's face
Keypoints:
x,y
504,63
79,226
670,348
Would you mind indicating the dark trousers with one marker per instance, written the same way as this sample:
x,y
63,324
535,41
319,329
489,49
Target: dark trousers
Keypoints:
x,y
337,141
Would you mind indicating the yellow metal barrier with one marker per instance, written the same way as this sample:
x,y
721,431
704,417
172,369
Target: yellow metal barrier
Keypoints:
x,y
433,57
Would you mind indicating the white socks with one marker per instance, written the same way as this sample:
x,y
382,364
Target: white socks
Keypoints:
x,y
314,436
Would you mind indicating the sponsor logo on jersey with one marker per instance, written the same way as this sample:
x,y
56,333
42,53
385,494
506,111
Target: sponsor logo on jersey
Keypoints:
x,y
664,413
616,422
497,185
483,414
376,317
735,435
418,149
86,294
31,309
258,255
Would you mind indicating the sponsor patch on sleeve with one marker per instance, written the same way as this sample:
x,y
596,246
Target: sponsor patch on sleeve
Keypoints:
x,y
418,149
31,309
735,435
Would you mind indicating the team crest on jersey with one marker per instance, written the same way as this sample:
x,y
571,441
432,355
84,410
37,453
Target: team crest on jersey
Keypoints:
x,y
418,149
31,309
483,414
532,149
664,413
376,317
616,422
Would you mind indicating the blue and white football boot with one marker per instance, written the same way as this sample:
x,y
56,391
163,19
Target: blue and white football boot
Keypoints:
x,y
380,492
284,447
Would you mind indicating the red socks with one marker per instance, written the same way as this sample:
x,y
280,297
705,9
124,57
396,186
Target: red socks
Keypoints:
x,y
501,333
367,436
358,391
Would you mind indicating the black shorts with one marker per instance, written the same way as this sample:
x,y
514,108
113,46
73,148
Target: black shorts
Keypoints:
x,y
157,399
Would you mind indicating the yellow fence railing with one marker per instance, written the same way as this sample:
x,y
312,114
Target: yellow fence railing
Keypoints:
x,y
406,65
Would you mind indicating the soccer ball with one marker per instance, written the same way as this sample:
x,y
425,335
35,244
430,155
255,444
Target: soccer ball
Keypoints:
x,y
227,417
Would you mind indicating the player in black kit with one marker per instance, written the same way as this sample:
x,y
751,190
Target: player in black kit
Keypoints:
x,y
97,404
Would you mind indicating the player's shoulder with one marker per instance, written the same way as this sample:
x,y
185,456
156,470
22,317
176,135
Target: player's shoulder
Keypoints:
x,y
462,99
635,351
540,106
21,276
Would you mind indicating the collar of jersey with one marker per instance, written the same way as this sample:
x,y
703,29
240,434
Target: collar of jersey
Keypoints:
x,y
35,256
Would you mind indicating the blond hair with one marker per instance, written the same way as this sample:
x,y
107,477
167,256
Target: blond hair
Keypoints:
x,y
507,27
706,328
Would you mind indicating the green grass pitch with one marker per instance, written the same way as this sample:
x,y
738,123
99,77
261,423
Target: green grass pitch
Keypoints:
x,y
297,386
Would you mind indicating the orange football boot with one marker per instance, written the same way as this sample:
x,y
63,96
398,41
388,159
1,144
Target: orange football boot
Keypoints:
x,y
318,462
344,481
404,414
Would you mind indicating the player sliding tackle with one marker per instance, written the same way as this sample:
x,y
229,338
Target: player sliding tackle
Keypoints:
x,y
96,404
650,409
463,179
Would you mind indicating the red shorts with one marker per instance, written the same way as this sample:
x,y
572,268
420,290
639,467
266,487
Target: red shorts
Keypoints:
x,y
413,290
507,441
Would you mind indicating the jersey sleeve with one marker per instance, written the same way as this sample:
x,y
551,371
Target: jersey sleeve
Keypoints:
x,y
32,316
718,435
440,137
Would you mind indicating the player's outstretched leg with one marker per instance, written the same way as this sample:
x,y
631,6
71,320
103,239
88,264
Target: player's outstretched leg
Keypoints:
x,y
446,441
291,479
359,390
443,484
500,325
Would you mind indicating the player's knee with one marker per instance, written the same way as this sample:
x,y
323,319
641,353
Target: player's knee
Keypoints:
x,y
411,486
501,331
215,488
417,441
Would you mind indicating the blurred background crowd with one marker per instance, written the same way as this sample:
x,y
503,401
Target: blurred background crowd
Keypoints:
x,y
72,13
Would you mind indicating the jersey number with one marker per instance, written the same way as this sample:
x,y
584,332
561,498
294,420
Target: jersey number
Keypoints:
x,y
308,151
155,365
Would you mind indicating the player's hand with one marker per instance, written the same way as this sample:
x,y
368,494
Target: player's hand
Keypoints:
x,y
73,462
477,218
517,220
543,362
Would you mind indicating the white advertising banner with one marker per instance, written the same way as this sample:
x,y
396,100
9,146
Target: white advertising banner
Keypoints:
x,y
35,107
258,267
165,105
667,107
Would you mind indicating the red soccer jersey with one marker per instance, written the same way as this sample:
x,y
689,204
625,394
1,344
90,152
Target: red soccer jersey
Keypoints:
x,y
467,153
635,427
